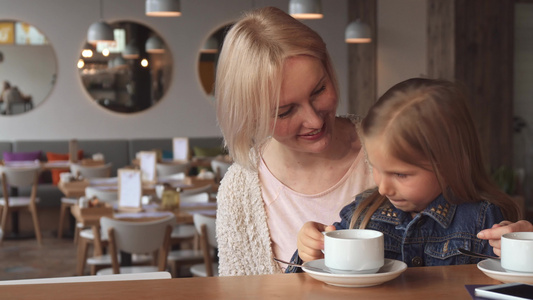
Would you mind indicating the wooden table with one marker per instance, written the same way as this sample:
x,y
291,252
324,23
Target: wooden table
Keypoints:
x,y
434,283
183,215
76,189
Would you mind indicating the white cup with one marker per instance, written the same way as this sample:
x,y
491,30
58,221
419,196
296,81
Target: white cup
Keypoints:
x,y
517,252
354,251
65,177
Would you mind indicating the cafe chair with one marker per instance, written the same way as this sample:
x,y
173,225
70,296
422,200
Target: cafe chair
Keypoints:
x,y
219,168
172,177
112,277
86,237
88,172
205,226
17,178
165,169
105,195
183,257
137,237
186,233
91,171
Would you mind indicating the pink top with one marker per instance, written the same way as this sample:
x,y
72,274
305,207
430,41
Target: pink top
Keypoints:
x,y
288,210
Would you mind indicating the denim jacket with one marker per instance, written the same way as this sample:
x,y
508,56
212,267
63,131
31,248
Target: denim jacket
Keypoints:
x,y
430,238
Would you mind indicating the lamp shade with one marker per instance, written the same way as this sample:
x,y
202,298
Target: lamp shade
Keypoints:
x,y
119,61
154,45
100,32
131,51
305,9
358,32
163,8
210,46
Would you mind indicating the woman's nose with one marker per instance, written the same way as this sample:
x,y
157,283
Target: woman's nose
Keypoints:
x,y
312,117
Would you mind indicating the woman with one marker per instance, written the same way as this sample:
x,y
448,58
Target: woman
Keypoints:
x,y
295,160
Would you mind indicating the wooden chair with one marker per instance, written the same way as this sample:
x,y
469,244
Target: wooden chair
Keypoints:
x,y
86,237
219,168
186,233
105,195
16,178
137,237
89,172
165,169
208,243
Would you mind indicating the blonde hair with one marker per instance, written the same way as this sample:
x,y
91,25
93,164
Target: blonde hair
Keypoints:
x,y
427,123
249,76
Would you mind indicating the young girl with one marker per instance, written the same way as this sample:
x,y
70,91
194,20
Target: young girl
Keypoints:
x,y
433,193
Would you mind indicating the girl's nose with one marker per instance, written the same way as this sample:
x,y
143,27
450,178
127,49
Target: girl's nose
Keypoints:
x,y
385,188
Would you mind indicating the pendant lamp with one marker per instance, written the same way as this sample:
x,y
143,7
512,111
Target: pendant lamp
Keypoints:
x,y
119,61
131,51
210,46
358,32
305,9
154,45
100,31
88,50
163,8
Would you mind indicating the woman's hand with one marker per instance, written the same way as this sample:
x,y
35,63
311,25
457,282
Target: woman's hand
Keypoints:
x,y
311,240
495,233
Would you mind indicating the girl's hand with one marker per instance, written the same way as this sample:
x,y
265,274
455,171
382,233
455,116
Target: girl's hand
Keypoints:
x,y
495,233
311,240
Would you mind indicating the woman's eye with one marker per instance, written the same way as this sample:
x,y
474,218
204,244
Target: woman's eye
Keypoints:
x,y
400,175
285,113
320,90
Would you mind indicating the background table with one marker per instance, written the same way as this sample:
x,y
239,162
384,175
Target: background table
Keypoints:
x,y
434,283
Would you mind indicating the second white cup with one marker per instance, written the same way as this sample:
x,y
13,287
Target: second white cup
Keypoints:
x,y
517,252
355,251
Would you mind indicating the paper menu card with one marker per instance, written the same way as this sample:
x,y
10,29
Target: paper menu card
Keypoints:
x,y
180,148
148,165
129,189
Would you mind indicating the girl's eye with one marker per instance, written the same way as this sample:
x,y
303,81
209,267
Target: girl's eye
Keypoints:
x,y
285,113
399,175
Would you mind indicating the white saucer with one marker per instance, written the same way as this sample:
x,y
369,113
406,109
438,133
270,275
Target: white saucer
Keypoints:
x,y
390,270
493,269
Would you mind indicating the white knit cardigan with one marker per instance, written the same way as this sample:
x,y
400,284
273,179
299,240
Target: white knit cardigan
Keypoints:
x,y
244,246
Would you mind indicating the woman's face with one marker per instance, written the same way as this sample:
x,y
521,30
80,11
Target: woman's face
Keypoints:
x,y
307,108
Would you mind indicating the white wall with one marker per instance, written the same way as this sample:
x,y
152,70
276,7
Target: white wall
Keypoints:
x,y
184,111
402,41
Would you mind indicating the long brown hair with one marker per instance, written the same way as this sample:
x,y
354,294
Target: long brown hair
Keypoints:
x,y
427,123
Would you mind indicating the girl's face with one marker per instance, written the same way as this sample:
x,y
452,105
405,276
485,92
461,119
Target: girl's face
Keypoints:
x,y
307,107
408,187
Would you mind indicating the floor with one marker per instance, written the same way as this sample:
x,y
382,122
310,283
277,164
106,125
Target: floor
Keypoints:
x,y
24,258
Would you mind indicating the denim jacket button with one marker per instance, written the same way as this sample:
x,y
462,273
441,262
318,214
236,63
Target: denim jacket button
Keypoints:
x,y
417,261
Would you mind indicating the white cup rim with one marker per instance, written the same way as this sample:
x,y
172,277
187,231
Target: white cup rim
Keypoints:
x,y
519,236
341,233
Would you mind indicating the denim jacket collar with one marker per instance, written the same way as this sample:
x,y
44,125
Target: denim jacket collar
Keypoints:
x,y
439,209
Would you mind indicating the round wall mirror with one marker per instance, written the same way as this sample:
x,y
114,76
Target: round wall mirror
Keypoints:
x,y
208,59
28,67
130,74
